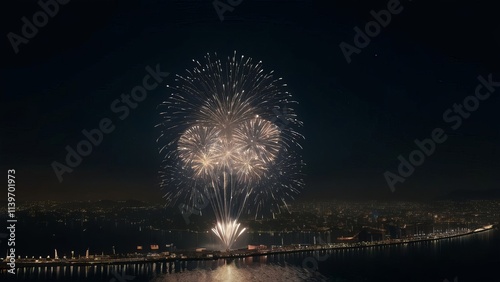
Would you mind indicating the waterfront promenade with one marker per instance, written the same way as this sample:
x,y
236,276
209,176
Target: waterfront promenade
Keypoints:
x,y
190,255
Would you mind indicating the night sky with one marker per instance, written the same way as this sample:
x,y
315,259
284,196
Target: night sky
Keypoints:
x,y
358,117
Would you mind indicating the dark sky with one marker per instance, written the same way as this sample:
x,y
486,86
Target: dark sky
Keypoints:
x,y
358,117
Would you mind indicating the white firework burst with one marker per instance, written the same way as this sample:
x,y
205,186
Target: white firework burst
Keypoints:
x,y
221,134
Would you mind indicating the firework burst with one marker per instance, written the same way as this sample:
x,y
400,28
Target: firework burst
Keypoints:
x,y
229,131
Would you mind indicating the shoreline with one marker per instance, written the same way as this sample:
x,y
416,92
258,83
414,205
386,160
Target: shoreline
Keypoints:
x,y
234,253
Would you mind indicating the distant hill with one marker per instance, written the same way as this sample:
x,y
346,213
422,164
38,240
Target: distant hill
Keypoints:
x,y
462,195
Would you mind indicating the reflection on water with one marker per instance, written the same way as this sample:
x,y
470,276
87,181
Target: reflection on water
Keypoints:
x,y
240,271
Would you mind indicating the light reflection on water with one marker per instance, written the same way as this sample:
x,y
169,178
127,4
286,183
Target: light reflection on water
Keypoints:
x,y
240,272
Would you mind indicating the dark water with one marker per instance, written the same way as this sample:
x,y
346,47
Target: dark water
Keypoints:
x,y
469,258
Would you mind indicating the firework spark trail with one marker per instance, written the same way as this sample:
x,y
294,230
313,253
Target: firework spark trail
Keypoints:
x,y
219,135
